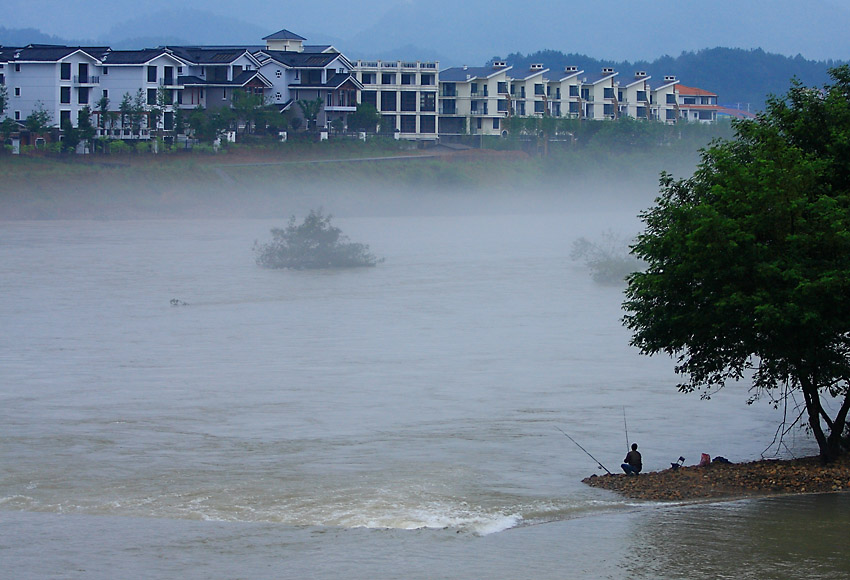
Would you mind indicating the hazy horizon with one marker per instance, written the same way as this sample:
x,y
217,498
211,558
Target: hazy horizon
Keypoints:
x,y
441,30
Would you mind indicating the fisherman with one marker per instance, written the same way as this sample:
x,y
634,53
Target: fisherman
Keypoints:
x,y
633,464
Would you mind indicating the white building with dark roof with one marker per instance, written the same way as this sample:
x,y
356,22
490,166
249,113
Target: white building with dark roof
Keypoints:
x,y
633,96
474,100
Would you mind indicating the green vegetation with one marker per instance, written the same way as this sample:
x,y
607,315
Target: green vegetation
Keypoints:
x,y
608,259
313,244
748,262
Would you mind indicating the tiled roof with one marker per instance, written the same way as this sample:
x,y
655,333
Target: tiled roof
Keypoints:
x,y
334,82
132,56
302,59
692,91
463,74
205,55
42,52
284,35
598,77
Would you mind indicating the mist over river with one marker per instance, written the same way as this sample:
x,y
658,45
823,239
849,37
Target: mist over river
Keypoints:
x,y
388,422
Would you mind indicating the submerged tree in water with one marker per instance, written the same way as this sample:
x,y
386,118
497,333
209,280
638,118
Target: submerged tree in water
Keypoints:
x,y
312,244
608,259
749,262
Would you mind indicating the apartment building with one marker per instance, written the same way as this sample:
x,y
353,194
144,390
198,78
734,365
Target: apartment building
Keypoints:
x,y
696,105
633,96
474,100
404,93
565,93
416,100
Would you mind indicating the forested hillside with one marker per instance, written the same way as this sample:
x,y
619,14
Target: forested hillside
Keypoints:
x,y
741,78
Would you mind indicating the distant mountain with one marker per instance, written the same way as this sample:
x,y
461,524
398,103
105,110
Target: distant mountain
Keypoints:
x,y
25,36
471,33
741,78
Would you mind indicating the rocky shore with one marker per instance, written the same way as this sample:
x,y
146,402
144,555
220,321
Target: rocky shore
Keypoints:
x,y
731,480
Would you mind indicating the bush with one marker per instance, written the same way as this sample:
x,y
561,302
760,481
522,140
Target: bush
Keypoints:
x,y
313,244
608,260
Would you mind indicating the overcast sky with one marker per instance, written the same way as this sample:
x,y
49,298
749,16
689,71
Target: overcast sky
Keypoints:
x,y
477,29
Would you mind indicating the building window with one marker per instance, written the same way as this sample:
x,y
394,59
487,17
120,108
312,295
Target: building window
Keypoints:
x,y
105,70
151,74
449,90
408,79
538,89
573,90
388,101
608,92
641,96
428,102
387,78
151,96
641,112
369,98
496,123
105,93
224,95
671,115
65,71
278,96
671,99
502,106
478,124
502,88
64,118
17,115
83,96
706,116
17,91
473,88
17,67
448,108
522,92
368,78
65,95
277,73
427,80
408,123
538,106
408,100
427,124
608,110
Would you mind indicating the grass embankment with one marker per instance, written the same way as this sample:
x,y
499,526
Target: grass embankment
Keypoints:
x,y
289,178
734,480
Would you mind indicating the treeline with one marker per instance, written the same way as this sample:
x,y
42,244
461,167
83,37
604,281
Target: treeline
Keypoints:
x,y
741,78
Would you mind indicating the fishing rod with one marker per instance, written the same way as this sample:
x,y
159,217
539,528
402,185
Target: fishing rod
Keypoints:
x,y
626,427
585,450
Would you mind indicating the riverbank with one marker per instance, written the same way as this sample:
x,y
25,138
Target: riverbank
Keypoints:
x,y
731,480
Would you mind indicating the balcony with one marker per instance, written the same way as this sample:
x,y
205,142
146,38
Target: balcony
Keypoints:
x,y
169,83
86,80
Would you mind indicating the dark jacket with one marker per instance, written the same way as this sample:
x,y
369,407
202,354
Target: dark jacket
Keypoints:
x,y
633,458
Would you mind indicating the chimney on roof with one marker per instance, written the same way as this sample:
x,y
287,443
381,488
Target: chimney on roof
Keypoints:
x,y
464,67
499,64
607,70
537,66
670,78
571,69
640,74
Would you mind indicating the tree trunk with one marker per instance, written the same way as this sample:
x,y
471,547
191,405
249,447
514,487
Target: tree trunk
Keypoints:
x,y
813,408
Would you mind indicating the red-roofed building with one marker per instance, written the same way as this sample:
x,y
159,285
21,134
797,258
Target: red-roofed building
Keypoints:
x,y
696,105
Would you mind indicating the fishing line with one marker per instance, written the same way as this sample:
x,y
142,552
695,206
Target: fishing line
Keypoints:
x,y
585,450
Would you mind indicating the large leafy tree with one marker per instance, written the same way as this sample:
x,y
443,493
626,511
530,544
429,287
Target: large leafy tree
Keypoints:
x,y
311,110
748,262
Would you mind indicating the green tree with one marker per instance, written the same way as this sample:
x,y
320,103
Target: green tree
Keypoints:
x,y
311,110
313,244
246,108
137,112
4,99
748,262
86,130
70,136
125,110
365,118
40,120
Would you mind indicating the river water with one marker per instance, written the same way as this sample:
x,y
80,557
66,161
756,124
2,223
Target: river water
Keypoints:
x,y
389,422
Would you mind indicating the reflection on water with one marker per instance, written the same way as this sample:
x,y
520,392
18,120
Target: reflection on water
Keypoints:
x,y
772,538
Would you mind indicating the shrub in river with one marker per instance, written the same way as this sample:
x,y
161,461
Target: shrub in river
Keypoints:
x,y
608,259
312,244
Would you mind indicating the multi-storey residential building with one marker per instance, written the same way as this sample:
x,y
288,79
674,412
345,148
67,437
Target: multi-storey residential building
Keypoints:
x,y
405,94
565,94
599,95
473,100
306,73
696,105
664,105
123,73
57,79
528,91
416,100
634,97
